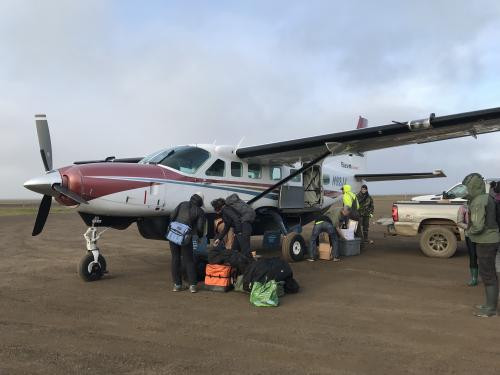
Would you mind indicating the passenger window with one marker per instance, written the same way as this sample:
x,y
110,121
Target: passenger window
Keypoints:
x,y
254,171
275,173
236,169
216,169
326,179
297,178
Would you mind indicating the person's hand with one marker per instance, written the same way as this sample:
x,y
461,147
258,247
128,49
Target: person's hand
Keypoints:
x,y
216,242
371,215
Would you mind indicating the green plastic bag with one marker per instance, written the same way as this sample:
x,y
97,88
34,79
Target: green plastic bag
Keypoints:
x,y
264,294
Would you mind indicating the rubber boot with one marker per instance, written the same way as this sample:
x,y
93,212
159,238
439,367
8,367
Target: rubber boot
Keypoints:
x,y
473,277
490,309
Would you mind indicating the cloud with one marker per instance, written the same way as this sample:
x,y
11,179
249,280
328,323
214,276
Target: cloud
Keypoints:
x,y
116,78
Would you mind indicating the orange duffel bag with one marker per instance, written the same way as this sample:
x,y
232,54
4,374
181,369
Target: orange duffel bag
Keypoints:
x,y
218,278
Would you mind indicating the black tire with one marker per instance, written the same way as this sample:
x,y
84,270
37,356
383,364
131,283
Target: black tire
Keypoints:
x,y
96,271
293,247
438,242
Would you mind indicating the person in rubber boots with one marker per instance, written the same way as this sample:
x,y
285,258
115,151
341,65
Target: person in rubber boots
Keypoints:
x,y
483,231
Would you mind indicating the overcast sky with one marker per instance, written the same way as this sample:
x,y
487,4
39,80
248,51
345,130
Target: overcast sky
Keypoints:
x,y
126,78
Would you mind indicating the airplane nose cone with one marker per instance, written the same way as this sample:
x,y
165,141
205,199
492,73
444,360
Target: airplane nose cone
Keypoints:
x,y
43,184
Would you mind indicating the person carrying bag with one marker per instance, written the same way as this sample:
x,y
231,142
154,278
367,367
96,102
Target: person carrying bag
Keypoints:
x,y
187,219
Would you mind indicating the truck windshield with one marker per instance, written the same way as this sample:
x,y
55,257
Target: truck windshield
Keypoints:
x,y
458,191
185,159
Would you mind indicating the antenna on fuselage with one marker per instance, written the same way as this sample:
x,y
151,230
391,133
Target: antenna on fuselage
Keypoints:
x,y
239,143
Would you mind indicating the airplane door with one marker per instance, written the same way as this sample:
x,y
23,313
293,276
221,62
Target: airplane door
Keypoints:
x,y
292,192
313,192
155,197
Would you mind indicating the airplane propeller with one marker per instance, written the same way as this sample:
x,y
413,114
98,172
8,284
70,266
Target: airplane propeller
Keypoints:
x,y
51,182
41,217
42,129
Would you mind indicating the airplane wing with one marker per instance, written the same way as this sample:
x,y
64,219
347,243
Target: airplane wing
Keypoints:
x,y
398,176
375,138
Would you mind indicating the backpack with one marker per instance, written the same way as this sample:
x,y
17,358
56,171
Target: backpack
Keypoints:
x,y
246,212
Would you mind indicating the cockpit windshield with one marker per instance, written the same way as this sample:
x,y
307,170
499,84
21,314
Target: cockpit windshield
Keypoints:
x,y
185,159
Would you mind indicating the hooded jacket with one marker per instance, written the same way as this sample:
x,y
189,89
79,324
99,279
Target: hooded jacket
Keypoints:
x,y
190,213
483,227
349,199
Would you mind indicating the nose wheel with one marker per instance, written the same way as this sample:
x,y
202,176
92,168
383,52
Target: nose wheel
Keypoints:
x,y
91,270
93,265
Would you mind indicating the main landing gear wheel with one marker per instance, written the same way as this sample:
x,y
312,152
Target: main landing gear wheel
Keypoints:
x,y
89,269
293,247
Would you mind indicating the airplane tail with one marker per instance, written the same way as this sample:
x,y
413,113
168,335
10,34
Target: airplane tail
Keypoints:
x,y
362,123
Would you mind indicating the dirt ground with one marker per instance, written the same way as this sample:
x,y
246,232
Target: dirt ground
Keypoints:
x,y
390,310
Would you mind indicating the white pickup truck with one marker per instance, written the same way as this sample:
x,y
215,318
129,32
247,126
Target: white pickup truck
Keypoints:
x,y
434,219
435,222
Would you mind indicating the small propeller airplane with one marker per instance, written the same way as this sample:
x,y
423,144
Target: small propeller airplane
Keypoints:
x,y
285,182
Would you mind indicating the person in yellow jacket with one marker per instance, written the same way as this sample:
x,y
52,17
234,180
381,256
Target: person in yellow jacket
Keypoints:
x,y
349,199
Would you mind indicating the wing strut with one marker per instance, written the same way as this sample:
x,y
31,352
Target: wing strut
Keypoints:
x,y
288,178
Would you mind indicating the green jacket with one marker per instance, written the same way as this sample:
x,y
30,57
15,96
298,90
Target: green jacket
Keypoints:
x,y
365,204
334,214
481,230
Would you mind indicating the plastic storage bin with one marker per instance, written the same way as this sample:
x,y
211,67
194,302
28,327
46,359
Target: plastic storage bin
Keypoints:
x,y
350,247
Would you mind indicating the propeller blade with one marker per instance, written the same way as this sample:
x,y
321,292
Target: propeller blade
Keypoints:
x,y
65,191
42,129
41,217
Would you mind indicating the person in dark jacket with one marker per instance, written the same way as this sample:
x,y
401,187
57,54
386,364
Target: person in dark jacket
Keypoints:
x,y
231,219
189,213
483,231
365,211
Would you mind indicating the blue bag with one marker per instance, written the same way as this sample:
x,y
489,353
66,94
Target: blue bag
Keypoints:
x,y
179,233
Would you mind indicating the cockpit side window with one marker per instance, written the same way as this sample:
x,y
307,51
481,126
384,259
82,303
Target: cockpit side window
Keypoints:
x,y
187,159
216,169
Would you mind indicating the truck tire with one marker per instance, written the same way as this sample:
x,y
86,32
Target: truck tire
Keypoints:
x,y
438,242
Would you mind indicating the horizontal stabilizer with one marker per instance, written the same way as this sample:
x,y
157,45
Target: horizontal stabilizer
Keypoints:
x,y
398,176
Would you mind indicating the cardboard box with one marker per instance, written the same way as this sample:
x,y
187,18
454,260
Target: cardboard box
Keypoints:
x,y
325,251
323,238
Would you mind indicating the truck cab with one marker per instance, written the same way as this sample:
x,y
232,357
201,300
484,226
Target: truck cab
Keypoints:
x,y
454,194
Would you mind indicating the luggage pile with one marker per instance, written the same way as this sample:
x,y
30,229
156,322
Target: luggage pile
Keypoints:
x,y
265,279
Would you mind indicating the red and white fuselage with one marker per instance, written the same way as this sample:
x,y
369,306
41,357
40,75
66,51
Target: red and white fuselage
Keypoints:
x,y
156,185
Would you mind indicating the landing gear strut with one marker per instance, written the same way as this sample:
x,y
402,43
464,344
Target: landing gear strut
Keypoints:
x,y
93,265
